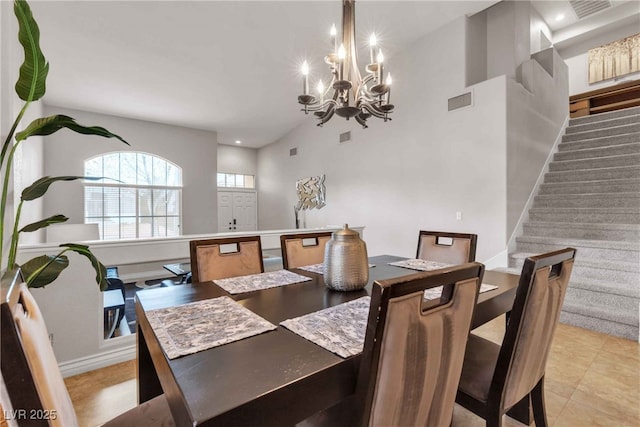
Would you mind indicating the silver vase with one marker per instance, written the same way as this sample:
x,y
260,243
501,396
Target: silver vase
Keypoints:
x,y
345,261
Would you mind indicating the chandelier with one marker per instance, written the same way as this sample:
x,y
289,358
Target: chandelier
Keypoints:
x,y
349,94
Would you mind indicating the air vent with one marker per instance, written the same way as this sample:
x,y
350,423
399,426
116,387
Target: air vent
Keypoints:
x,y
345,137
460,101
293,151
584,8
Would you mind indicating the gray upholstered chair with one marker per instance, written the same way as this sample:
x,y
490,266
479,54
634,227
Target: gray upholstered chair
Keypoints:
x,y
496,378
303,249
413,352
213,259
31,375
449,248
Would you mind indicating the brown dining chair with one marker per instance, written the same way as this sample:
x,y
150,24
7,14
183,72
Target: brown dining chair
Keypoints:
x,y
303,249
213,259
449,248
413,352
496,378
30,372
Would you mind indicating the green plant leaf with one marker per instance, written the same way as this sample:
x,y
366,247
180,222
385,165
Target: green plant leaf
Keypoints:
x,y
52,124
101,270
31,84
55,219
40,271
40,186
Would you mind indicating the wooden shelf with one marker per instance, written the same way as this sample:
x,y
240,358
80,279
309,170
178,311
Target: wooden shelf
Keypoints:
x,y
623,95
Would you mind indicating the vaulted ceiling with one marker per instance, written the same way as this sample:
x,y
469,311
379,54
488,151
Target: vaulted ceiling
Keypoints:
x,y
228,66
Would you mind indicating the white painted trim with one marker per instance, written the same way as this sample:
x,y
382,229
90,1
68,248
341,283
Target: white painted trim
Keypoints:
x,y
524,216
98,360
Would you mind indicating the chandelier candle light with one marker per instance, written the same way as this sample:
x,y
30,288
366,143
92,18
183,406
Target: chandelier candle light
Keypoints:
x,y
353,95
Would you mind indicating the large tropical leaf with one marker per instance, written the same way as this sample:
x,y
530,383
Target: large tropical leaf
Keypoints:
x,y
31,84
40,186
40,271
101,270
55,219
51,124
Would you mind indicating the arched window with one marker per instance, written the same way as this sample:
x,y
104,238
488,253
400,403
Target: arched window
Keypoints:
x,y
142,198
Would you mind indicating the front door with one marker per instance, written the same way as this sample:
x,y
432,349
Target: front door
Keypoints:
x,y
237,211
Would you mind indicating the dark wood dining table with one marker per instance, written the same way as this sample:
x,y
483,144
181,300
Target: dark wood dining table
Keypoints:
x,y
276,378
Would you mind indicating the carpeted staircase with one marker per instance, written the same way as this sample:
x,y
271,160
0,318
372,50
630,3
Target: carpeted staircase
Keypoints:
x,y
590,200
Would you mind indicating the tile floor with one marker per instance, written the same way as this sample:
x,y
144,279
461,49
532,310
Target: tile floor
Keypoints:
x,y
592,380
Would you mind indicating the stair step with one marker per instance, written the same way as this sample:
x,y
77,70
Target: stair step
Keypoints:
x,y
590,187
603,124
621,172
589,153
593,249
618,308
596,320
605,116
594,215
597,163
608,141
614,200
620,278
599,133
577,230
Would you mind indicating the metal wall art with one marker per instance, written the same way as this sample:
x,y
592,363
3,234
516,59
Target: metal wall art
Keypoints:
x,y
615,59
311,194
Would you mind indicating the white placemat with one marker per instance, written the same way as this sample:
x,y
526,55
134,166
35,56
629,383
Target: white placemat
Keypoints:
x,y
319,268
339,329
256,282
420,264
193,327
435,293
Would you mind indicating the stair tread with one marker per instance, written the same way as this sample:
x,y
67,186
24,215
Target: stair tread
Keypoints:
x,y
588,225
594,118
615,156
627,315
626,194
611,128
585,209
613,244
609,168
602,263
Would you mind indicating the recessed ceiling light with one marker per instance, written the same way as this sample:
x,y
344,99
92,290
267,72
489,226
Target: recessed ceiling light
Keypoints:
x,y
238,141
560,17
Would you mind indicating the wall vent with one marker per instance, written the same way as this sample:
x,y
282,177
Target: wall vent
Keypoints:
x,y
345,137
584,8
293,151
460,101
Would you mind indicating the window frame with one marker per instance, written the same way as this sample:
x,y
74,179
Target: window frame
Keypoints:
x,y
111,183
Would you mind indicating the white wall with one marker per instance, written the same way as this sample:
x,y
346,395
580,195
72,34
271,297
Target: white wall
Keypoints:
x,y
508,37
577,58
234,159
414,172
536,111
195,151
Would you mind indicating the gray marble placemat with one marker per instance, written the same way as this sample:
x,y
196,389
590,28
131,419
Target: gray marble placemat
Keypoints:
x,y
193,327
420,264
256,282
339,329
435,293
319,268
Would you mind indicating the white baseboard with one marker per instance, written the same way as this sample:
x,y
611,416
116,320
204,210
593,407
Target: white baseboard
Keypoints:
x,y
97,361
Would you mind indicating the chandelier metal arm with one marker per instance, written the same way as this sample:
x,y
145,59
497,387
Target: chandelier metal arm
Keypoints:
x,y
354,96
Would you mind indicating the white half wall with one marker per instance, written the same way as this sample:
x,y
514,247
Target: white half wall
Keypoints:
x,y
414,172
195,151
